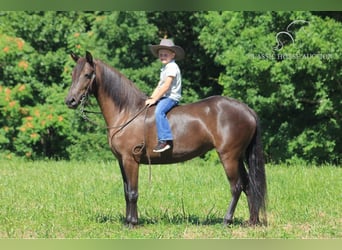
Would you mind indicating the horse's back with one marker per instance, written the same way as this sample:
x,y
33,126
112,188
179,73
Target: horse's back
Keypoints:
x,y
213,122
224,107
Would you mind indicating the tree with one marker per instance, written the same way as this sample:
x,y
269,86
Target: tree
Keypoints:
x,y
285,65
294,87
34,122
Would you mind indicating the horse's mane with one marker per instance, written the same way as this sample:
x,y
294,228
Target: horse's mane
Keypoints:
x,y
120,89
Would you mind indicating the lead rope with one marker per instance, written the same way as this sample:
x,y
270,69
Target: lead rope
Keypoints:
x,y
140,147
84,112
136,150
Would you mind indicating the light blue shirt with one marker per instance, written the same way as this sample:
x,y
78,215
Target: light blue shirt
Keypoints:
x,y
172,69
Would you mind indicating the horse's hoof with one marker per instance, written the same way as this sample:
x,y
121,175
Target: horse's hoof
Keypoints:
x,y
227,222
253,223
130,225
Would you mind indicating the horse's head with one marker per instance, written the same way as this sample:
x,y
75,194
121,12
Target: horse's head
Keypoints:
x,y
83,76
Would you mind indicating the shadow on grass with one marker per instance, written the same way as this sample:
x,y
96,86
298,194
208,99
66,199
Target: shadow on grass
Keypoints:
x,y
176,219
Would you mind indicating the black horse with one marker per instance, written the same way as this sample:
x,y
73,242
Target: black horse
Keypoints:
x,y
227,125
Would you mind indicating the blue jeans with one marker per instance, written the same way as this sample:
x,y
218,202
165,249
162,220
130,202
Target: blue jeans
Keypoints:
x,y
164,105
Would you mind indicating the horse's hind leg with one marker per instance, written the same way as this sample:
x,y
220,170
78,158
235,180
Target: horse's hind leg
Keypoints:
x,y
235,172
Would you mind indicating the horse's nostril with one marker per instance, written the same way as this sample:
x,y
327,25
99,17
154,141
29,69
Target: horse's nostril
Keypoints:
x,y
71,102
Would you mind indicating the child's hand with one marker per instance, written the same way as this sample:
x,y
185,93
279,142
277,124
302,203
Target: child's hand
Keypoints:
x,y
150,102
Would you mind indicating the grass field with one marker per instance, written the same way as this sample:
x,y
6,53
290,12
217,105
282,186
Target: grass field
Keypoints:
x,y
85,200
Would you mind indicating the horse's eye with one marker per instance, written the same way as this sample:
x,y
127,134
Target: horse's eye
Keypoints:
x,y
87,76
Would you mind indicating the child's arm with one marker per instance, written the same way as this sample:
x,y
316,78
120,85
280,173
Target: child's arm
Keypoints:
x,y
159,92
155,90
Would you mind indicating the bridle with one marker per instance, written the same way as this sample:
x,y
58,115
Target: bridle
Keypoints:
x,y
84,112
137,149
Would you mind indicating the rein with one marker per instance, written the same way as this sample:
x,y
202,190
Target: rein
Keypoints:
x,y
137,149
84,112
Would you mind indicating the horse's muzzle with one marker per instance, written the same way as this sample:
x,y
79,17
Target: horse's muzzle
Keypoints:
x,y
71,102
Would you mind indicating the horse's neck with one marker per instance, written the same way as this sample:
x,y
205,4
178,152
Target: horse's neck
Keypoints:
x,y
118,107
110,112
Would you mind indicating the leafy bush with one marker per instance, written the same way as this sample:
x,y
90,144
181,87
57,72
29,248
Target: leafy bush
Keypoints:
x,y
293,82
295,89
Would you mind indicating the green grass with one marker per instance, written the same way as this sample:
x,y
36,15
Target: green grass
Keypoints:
x,y
188,200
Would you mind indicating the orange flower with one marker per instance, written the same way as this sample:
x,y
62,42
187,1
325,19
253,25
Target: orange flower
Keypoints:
x,y
20,43
7,94
34,135
78,46
7,91
29,118
76,34
50,116
22,87
12,104
60,118
29,125
23,64
6,49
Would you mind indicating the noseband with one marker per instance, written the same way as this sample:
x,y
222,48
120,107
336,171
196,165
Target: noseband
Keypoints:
x,y
89,90
136,150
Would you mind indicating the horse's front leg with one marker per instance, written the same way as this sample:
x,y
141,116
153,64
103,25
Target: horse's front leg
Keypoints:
x,y
130,173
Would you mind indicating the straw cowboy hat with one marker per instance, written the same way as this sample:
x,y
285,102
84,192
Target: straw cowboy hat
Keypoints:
x,y
169,45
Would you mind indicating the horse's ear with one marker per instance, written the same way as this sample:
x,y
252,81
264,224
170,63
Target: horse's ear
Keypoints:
x,y
89,58
74,56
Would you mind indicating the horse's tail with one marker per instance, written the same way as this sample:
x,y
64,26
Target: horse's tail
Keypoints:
x,y
257,190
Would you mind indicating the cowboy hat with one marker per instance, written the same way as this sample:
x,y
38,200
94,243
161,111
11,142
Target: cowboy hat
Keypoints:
x,y
169,45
